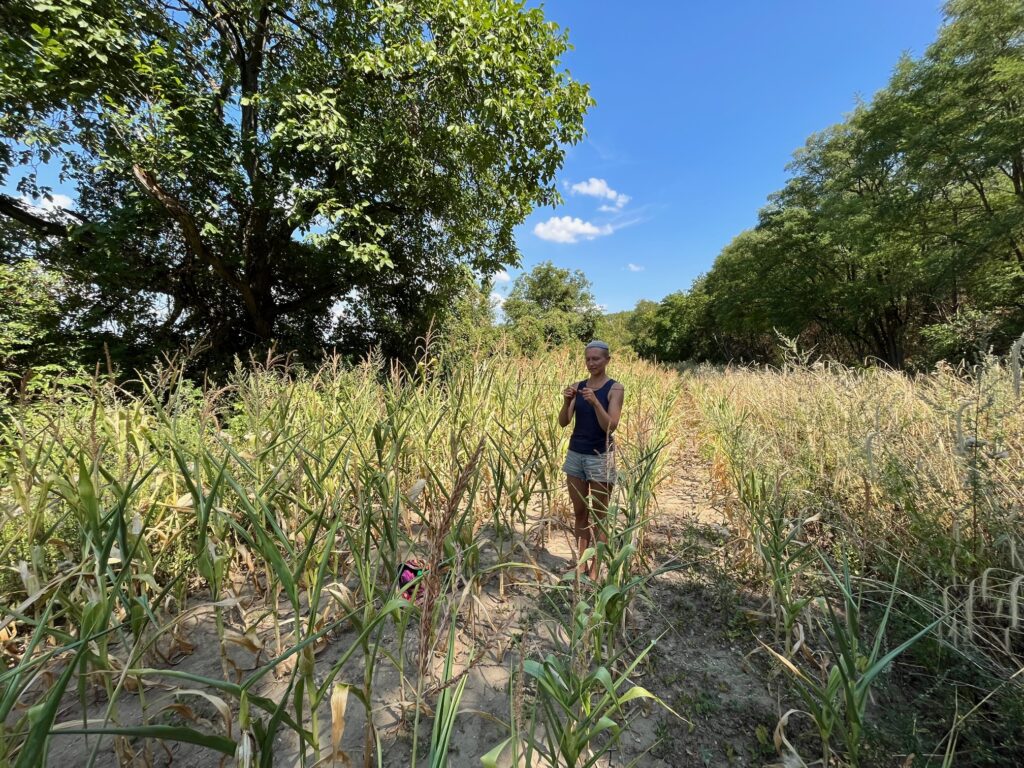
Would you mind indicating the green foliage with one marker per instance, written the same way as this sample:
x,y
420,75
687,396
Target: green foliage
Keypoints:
x,y
899,236
614,329
677,329
551,306
468,327
30,316
249,172
967,335
640,326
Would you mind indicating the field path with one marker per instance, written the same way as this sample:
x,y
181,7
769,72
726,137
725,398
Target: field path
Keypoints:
x,y
698,666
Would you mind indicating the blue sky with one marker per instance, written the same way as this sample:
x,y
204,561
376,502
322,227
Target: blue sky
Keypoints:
x,y
699,109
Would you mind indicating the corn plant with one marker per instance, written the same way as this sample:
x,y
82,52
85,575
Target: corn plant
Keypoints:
x,y
577,714
280,503
604,618
447,708
837,698
782,551
579,708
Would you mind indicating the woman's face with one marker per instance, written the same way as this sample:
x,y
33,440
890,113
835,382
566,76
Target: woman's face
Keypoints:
x,y
597,361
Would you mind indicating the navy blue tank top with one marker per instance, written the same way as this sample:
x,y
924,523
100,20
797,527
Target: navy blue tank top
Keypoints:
x,y
587,435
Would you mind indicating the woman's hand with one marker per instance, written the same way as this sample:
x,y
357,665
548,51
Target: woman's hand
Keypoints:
x,y
568,405
589,396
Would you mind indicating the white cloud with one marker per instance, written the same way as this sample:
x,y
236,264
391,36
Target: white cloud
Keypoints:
x,y
594,188
568,229
57,204
497,300
58,201
634,267
599,188
501,276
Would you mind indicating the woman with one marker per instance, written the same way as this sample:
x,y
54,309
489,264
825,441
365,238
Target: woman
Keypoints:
x,y
590,465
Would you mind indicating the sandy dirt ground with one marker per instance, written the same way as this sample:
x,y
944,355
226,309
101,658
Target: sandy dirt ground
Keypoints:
x,y
702,665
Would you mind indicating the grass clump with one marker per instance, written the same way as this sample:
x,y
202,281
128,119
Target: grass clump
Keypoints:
x,y
913,490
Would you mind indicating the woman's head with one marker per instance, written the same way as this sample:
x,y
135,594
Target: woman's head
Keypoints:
x,y
597,356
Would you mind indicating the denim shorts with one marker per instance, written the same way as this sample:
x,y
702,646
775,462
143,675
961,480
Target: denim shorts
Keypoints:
x,y
596,468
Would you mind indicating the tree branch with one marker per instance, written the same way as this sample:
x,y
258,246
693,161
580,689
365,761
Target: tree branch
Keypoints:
x,y
172,318
147,181
251,69
11,207
301,27
227,32
194,241
325,290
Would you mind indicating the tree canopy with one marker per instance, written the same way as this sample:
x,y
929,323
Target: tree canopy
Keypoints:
x,y
300,172
549,305
900,234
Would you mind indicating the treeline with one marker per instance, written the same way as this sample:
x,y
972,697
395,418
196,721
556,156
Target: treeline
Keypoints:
x,y
900,235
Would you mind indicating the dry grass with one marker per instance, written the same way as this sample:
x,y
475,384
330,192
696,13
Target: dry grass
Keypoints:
x,y
916,479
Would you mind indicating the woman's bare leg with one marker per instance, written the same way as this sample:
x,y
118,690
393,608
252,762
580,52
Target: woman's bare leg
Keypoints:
x,y
579,490
599,495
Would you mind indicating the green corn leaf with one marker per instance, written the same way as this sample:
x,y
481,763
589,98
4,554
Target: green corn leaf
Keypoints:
x,y
41,717
490,760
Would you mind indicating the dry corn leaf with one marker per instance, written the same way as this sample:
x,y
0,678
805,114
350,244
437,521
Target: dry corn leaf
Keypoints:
x,y
284,667
236,670
416,490
246,557
250,641
131,684
28,578
798,632
339,703
219,704
125,754
782,744
342,594
178,648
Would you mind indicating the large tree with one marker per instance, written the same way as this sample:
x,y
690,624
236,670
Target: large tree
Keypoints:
x,y
243,169
841,255
954,120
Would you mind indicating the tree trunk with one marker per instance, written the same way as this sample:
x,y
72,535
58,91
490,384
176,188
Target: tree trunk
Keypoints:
x,y
258,252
